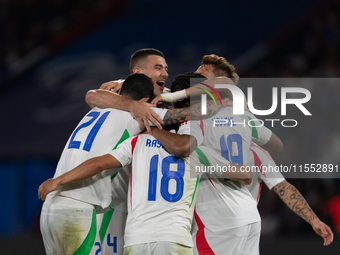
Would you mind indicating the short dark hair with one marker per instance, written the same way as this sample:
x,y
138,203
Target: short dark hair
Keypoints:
x,y
221,66
137,86
181,82
141,55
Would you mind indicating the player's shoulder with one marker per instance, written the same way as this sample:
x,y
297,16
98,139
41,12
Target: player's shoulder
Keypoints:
x,y
249,115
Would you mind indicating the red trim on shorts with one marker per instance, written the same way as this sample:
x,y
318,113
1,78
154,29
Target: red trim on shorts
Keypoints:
x,y
201,242
133,145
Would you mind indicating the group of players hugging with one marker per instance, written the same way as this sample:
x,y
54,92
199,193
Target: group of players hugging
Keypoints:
x,y
127,179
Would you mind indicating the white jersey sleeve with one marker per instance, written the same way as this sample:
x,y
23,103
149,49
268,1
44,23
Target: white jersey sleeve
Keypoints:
x,y
260,133
264,170
123,153
193,128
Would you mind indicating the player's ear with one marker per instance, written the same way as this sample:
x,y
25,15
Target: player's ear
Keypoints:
x,y
204,67
137,70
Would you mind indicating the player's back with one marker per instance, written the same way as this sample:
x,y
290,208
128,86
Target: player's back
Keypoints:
x,y
96,134
161,195
228,134
224,204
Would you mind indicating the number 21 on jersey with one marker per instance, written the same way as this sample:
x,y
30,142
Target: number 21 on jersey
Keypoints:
x,y
167,176
93,132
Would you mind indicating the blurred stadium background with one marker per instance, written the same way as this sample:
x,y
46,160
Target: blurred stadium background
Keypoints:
x,y
53,51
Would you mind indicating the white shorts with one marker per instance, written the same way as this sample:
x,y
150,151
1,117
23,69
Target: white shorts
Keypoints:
x,y
237,241
111,226
68,227
157,248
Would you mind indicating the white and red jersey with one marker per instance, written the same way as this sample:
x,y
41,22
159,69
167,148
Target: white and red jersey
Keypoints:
x,y
161,193
225,204
100,131
162,190
265,171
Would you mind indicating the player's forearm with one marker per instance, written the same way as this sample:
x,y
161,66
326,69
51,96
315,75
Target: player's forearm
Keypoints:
x,y
85,170
206,87
294,200
88,169
211,110
176,116
178,145
200,89
107,99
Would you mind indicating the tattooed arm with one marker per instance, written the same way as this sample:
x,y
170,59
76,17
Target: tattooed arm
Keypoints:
x,y
176,116
182,145
297,203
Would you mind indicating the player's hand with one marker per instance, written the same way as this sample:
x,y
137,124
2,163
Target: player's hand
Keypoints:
x,y
113,86
142,113
322,230
47,187
157,100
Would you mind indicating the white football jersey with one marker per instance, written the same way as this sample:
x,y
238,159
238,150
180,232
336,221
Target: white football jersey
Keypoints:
x,y
162,190
100,131
225,204
265,171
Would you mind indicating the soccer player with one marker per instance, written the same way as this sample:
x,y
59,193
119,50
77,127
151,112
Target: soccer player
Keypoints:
x,y
68,217
161,195
150,62
227,219
215,66
265,172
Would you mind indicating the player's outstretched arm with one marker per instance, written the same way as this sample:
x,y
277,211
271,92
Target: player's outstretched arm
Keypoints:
x,y
113,86
297,203
176,144
196,91
139,110
179,115
85,170
103,98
